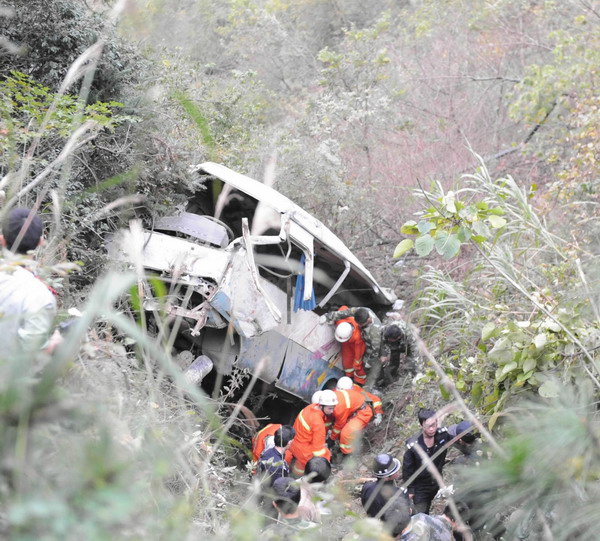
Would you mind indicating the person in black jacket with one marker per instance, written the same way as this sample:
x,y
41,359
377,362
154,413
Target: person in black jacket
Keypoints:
x,y
376,494
272,464
424,487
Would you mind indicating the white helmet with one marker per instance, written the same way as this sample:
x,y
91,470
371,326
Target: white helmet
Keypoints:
x,y
315,397
343,332
328,398
344,384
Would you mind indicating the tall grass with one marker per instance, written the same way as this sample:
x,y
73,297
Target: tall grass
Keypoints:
x,y
97,441
539,477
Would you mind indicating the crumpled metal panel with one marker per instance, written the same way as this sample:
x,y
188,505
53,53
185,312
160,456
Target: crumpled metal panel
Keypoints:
x,y
202,314
200,227
304,354
241,302
304,327
179,257
312,356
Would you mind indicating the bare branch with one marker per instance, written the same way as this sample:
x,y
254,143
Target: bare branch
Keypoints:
x,y
590,8
492,78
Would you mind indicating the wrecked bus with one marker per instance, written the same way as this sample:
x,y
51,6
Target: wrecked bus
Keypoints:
x,y
249,272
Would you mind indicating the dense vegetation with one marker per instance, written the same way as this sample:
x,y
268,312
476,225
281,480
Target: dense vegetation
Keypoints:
x,y
480,117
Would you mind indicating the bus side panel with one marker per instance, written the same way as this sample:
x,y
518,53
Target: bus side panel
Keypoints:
x,y
305,371
270,346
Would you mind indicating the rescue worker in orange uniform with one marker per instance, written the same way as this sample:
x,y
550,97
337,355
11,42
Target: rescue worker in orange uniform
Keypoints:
x,y
311,432
351,415
328,418
263,439
347,333
258,441
372,401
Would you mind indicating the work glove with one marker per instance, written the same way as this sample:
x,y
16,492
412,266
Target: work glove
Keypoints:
x,y
378,418
330,444
323,320
445,491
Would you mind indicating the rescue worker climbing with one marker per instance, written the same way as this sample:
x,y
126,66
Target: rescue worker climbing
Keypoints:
x,y
348,334
372,401
370,331
311,432
351,416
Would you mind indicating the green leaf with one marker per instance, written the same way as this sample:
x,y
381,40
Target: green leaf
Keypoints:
x,y
447,245
502,352
496,211
464,234
487,331
496,221
491,400
158,287
409,228
445,394
469,213
524,376
134,298
529,364
403,247
493,420
509,368
481,229
512,326
482,205
424,245
449,202
424,227
533,380
128,176
549,389
551,325
476,393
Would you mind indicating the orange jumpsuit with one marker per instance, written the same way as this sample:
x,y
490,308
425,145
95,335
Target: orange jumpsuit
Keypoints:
x,y
373,400
309,441
351,417
353,351
258,441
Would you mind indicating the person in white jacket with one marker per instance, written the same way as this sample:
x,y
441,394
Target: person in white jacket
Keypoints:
x,y
27,305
